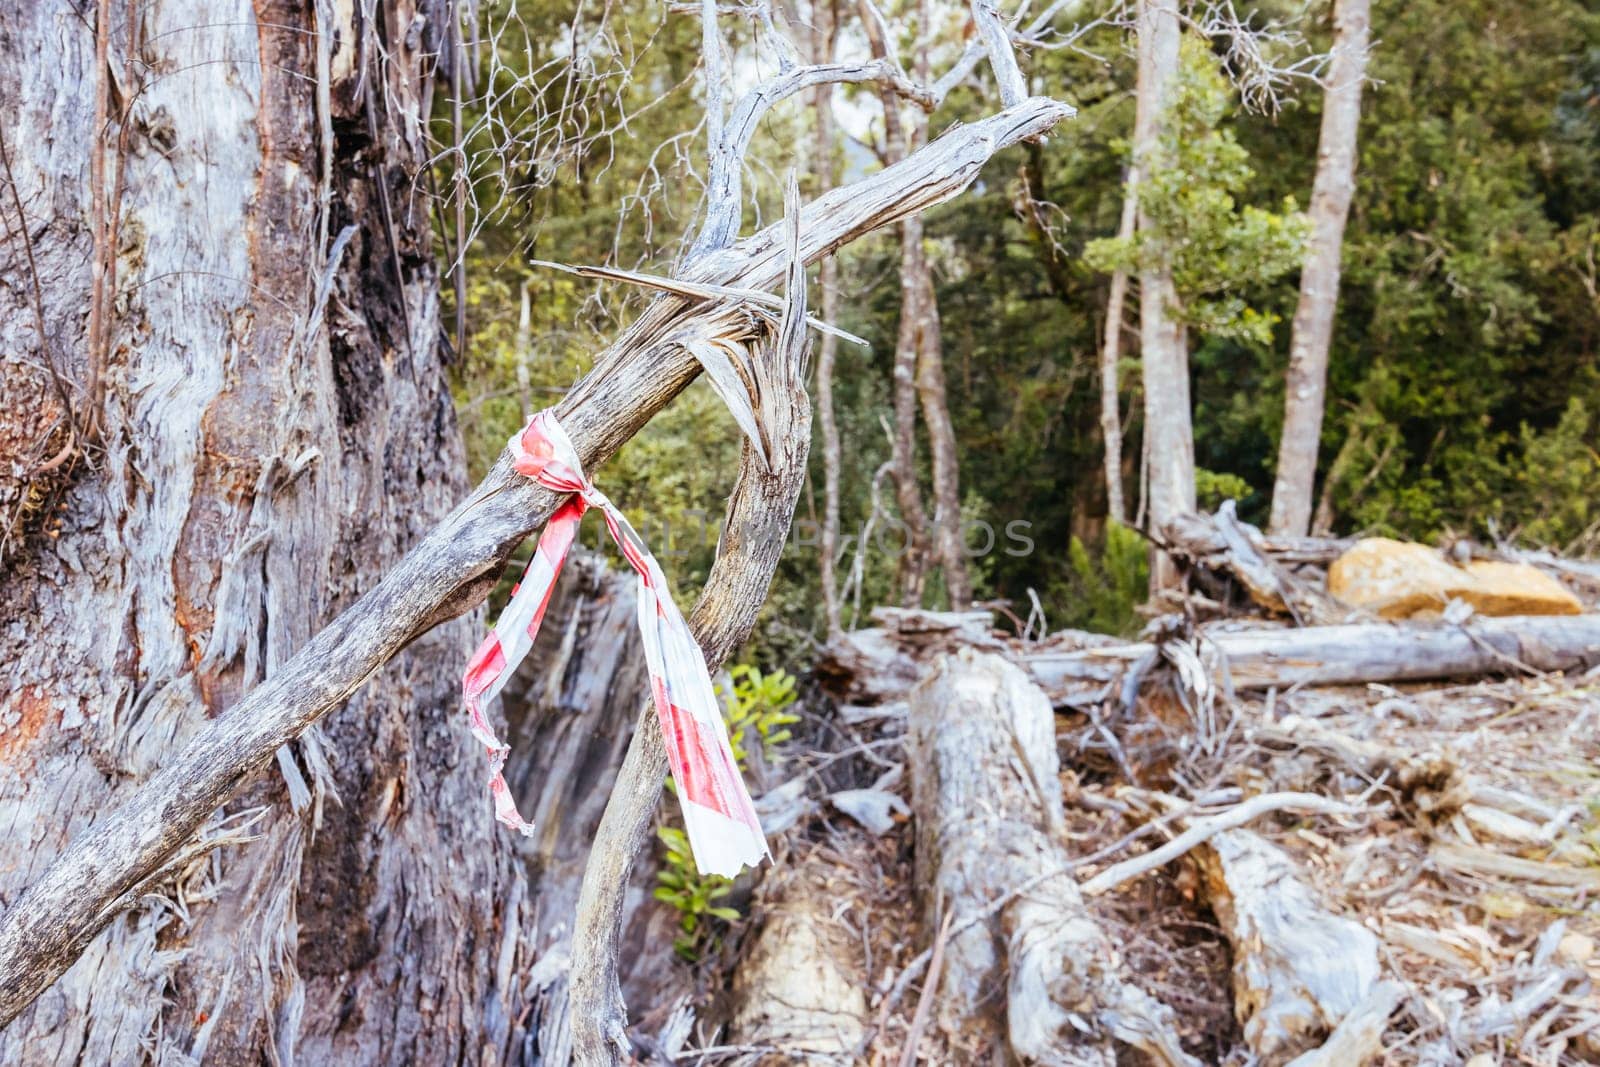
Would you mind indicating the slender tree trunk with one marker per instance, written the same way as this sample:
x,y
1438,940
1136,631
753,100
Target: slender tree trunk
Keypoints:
x,y
1331,191
947,540
276,430
1163,343
1110,355
903,449
822,35
524,344
897,144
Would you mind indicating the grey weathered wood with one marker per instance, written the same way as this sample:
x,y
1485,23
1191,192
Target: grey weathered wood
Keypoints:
x,y
802,985
1222,543
1298,969
1352,654
449,570
1358,1040
986,794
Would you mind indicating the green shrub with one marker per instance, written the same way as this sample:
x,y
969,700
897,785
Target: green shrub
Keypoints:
x,y
755,716
1103,594
694,895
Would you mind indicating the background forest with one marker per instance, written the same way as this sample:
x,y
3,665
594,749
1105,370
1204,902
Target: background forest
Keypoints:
x,y
1463,391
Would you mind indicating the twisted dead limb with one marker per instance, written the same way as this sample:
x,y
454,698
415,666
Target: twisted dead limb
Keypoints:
x,y
451,570
757,527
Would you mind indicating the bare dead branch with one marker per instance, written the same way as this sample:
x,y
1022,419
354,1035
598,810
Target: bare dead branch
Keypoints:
x,y
450,570
1002,56
759,514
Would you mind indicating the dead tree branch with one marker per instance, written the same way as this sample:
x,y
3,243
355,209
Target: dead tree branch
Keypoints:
x,y
759,514
450,570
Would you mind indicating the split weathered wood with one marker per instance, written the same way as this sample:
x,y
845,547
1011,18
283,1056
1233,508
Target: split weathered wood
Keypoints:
x,y
1358,1040
987,796
452,569
1222,543
1298,970
802,987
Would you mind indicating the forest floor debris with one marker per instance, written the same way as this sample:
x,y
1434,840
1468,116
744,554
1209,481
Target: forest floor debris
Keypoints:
x,y
1456,855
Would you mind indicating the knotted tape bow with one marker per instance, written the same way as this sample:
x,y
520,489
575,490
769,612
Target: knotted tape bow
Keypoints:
x,y
717,813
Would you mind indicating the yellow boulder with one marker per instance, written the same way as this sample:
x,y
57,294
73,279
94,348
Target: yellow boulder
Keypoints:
x,y
1518,589
1400,580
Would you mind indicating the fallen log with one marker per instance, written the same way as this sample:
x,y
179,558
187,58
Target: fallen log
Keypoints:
x,y
1299,971
1352,654
987,799
108,866
801,988
882,663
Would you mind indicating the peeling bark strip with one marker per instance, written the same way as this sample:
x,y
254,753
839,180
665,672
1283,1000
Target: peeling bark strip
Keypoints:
x,y
450,570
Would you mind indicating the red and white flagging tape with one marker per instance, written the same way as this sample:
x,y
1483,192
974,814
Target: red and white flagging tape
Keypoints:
x,y
717,812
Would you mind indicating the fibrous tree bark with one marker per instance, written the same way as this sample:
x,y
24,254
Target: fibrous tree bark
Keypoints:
x,y
269,431
1312,333
448,571
1163,340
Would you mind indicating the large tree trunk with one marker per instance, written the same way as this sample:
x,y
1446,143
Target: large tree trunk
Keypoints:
x,y
1163,342
276,430
1331,191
